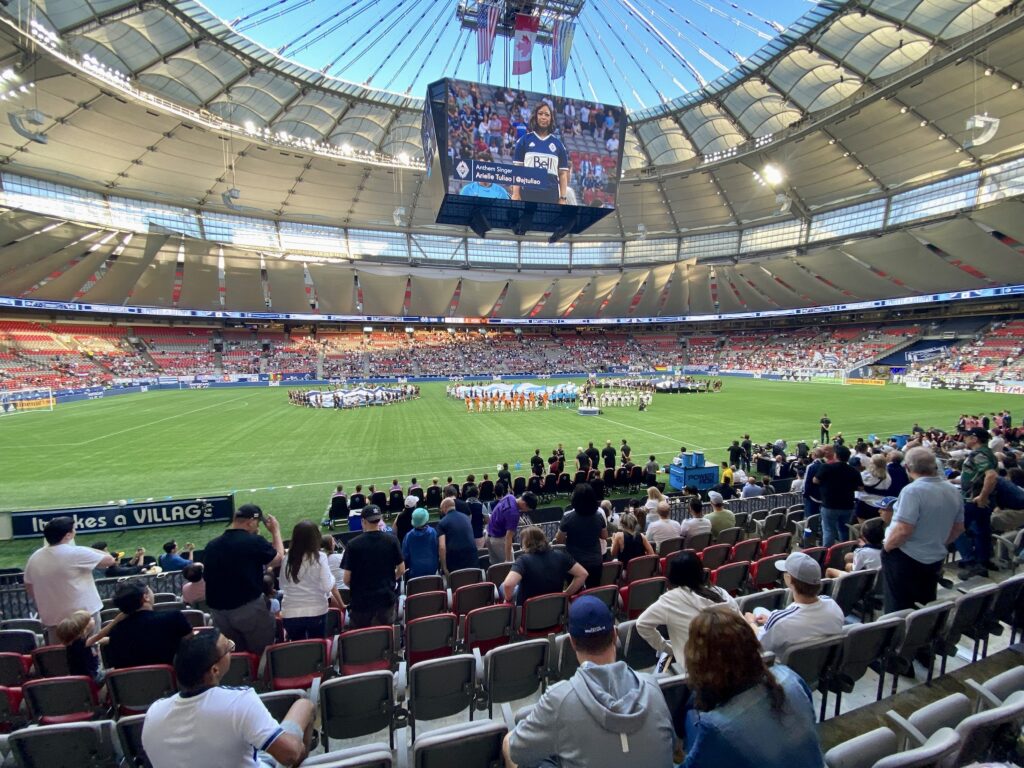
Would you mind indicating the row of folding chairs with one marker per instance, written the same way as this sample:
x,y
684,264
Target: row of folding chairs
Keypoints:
x,y
949,732
108,744
893,641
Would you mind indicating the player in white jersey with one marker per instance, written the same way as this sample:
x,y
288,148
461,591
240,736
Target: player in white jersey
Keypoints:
x,y
539,148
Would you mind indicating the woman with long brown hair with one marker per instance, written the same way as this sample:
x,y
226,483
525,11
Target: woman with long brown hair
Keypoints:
x,y
306,582
746,714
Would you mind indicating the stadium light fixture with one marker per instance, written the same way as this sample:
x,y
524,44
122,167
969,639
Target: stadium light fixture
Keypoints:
x,y
773,174
988,127
398,216
641,231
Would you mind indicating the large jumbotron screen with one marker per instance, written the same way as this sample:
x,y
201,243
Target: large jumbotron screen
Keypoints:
x,y
519,160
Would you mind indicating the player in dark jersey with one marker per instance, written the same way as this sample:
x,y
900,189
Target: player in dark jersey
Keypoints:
x,y
539,148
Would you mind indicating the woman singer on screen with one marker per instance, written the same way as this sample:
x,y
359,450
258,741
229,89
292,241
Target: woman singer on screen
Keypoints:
x,y
540,149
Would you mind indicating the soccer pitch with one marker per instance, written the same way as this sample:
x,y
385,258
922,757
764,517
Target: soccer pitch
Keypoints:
x,y
252,442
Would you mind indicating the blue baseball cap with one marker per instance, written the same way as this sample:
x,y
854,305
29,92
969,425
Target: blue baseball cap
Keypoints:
x,y
589,616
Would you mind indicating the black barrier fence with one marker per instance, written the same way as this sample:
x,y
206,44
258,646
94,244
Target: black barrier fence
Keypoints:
x,y
15,602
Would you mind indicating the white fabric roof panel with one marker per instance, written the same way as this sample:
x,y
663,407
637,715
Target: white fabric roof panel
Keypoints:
x,y
871,46
710,129
431,296
847,274
363,127
1007,217
622,296
312,115
72,278
665,142
698,281
824,177
243,288
759,109
633,155
334,288
813,81
803,282
199,286
960,239
156,282
382,295
903,257
121,276
477,297
778,295
287,286
35,246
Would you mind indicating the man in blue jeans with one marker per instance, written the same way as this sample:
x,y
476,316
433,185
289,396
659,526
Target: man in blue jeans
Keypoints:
x,y
978,478
838,482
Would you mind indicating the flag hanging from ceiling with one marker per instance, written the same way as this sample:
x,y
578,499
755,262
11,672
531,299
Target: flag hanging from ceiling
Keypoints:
x,y
522,49
561,47
486,26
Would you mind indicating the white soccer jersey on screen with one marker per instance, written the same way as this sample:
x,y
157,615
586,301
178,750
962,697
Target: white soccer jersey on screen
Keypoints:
x,y
545,160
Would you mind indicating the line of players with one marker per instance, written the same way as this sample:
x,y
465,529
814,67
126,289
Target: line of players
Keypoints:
x,y
493,402
616,399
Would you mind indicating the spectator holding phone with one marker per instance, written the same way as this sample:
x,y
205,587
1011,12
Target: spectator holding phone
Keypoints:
x,y
234,565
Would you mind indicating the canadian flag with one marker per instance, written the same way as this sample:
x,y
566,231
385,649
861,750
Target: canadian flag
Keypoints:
x,y
522,49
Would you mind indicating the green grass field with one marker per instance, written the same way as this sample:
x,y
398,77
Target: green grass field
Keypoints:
x,y
287,459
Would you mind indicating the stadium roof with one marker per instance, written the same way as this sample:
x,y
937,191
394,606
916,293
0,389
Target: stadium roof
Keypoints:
x,y
860,103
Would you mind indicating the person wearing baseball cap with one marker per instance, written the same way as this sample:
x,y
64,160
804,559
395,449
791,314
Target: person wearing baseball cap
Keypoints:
x,y
371,567
978,478
808,617
419,547
604,716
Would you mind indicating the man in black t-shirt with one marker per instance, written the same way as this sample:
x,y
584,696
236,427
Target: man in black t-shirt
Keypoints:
x,y
582,460
748,452
537,463
608,454
838,482
593,455
371,566
505,476
736,454
826,424
141,635
234,564
624,452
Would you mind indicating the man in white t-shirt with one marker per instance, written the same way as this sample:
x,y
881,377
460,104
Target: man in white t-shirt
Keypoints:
x,y
808,617
58,577
209,724
663,528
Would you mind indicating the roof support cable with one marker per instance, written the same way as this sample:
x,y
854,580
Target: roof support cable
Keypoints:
x,y
376,25
579,80
417,23
637,44
707,55
600,60
737,22
771,24
249,20
322,35
738,57
430,51
653,29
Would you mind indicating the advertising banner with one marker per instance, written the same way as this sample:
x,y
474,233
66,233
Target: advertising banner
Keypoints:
x,y
128,516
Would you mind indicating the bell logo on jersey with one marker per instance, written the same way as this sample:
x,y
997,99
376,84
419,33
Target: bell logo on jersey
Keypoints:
x,y
541,160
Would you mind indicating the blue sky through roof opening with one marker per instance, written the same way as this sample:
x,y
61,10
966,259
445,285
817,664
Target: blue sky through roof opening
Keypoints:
x,y
639,53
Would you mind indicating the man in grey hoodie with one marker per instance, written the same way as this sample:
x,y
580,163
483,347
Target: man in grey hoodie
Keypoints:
x,y
605,716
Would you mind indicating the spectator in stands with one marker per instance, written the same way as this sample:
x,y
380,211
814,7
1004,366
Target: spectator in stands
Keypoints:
x,y
629,542
664,527
838,482
143,636
866,556
927,517
504,522
752,488
234,564
541,570
58,577
403,523
419,549
207,724
654,498
76,634
978,478
720,517
337,508
746,712
170,560
797,486
876,481
808,617
677,607
371,566
306,581
582,530
117,570
651,469
473,507
696,523
726,473
193,591
606,716
455,544
330,548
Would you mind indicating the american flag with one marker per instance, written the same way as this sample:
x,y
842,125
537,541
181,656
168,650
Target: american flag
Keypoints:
x,y
486,26
561,46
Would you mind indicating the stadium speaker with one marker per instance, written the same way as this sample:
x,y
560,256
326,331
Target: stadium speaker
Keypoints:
x,y
522,226
566,224
479,224
228,198
32,117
